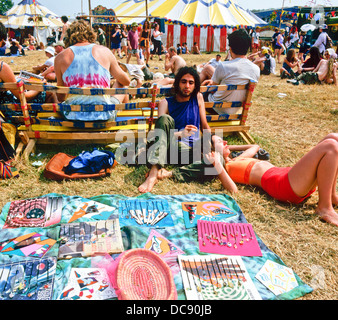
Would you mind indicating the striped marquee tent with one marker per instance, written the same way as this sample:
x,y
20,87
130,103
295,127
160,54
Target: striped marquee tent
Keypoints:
x,y
203,21
30,13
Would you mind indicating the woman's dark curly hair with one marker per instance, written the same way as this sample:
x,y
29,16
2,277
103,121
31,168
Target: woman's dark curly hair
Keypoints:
x,y
183,71
79,31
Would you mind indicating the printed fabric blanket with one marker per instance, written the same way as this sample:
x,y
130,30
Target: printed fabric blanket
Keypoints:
x,y
136,237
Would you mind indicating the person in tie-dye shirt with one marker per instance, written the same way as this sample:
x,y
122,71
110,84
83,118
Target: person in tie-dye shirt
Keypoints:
x,y
85,64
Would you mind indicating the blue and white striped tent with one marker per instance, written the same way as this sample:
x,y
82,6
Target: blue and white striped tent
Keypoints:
x,y
30,13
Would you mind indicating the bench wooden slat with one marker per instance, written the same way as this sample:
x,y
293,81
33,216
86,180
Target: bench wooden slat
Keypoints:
x,y
133,118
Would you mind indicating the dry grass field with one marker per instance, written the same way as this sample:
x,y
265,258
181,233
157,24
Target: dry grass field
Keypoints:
x,y
286,127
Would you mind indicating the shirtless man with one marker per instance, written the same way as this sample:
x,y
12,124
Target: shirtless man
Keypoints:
x,y
173,62
208,68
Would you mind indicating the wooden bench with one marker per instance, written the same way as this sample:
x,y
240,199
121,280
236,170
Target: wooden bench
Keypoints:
x,y
134,119
228,122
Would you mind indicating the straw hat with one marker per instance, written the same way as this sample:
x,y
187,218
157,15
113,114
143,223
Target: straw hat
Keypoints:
x,y
142,275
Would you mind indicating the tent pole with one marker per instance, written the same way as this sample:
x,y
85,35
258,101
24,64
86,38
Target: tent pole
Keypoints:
x,y
147,19
280,19
90,13
36,26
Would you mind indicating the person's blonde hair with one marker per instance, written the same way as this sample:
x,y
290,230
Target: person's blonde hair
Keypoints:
x,y
329,69
79,31
172,49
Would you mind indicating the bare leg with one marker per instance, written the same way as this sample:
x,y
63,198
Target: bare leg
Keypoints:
x,y
151,180
319,166
334,193
207,73
128,58
123,98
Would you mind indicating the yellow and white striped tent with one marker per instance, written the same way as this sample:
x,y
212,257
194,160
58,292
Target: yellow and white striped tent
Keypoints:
x,y
188,12
206,22
30,13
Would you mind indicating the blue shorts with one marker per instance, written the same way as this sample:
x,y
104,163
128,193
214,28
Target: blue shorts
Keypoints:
x,y
116,45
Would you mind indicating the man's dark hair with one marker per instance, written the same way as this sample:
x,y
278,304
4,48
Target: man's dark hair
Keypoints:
x,y
239,42
64,19
3,32
183,71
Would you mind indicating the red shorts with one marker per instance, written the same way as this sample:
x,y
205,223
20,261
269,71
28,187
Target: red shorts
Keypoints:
x,y
276,183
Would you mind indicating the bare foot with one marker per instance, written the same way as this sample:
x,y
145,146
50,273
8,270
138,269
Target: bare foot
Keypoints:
x,y
151,180
335,200
163,174
328,215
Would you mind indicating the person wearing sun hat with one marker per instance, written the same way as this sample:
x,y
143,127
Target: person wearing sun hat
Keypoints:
x,y
49,73
50,53
264,60
59,46
322,38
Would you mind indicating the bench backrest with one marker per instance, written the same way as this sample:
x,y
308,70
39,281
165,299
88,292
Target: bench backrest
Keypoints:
x,y
133,114
146,108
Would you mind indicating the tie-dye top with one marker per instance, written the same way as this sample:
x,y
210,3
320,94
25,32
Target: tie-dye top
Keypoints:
x,y
86,71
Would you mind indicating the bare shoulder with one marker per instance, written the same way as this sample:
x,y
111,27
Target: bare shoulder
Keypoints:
x,y
200,97
163,107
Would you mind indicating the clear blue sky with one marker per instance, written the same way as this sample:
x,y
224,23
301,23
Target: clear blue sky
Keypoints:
x,y
73,7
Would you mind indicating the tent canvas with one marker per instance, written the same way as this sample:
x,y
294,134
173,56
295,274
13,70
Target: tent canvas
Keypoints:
x,y
29,13
194,12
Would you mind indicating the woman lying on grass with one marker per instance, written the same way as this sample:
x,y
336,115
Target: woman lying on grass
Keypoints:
x,y
319,167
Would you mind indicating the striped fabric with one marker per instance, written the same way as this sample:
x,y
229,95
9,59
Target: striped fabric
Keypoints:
x,y
190,12
24,13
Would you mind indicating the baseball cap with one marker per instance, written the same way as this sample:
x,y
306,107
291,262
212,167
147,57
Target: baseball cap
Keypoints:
x,y
50,50
323,26
58,43
134,24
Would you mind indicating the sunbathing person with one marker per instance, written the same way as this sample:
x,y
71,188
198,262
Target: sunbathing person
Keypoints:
x,y
317,168
7,75
173,62
206,70
325,72
50,53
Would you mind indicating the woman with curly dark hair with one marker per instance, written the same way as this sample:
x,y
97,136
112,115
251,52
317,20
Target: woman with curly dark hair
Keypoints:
x,y
85,64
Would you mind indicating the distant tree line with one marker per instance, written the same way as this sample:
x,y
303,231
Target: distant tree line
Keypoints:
x,y
5,5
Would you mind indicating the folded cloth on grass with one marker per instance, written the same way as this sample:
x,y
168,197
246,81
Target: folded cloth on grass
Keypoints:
x,y
55,169
91,162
